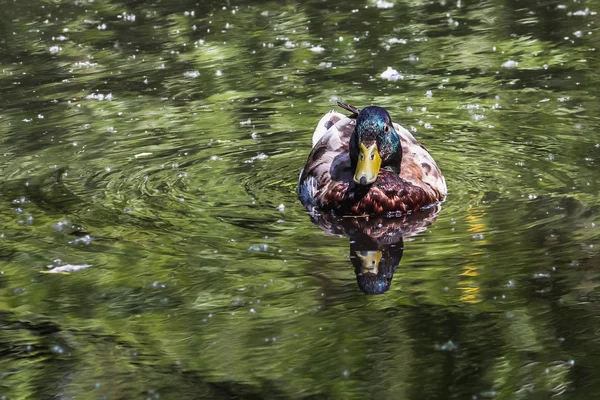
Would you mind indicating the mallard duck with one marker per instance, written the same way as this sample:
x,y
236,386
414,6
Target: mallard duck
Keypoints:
x,y
365,164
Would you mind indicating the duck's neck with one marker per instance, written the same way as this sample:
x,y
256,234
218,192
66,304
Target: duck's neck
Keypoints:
x,y
391,152
393,162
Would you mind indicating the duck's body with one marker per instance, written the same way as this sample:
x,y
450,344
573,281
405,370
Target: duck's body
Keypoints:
x,y
365,164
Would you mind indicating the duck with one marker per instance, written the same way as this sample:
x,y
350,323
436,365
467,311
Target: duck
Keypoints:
x,y
365,164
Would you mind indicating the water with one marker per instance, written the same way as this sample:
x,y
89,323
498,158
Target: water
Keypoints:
x,y
153,246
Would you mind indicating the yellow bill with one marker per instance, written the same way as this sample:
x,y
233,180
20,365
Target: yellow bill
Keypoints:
x,y
369,261
368,165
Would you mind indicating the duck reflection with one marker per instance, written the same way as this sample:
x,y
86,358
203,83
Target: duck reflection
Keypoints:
x,y
376,243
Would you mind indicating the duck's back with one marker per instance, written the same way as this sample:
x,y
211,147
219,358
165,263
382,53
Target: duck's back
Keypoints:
x,y
326,182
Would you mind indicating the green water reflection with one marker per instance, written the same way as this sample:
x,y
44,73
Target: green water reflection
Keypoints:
x,y
154,147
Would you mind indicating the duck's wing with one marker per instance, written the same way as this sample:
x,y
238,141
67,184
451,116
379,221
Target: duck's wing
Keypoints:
x,y
327,130
330,140
328,161
418,166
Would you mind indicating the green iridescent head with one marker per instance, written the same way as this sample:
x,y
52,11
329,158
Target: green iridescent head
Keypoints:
x,y
374,145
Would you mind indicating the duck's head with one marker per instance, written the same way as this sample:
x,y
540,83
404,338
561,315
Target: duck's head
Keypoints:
x,y
375,266
374,145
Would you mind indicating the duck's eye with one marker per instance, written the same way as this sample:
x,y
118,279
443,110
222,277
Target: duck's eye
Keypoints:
x,y
386,129
362,157
372,157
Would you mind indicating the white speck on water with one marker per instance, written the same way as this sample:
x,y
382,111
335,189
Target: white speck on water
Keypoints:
x,y
66,268
219,72
55,49
99,96
510,64
325,64
581,13
87,239
541,275
246,122
264,13
578,34
215,158
383,4
391,75
317,49
429,93
57,349
258,157
102,27
191,74
448,346
107,169
81,64
346,373
396,40
281,208
252,311
259,247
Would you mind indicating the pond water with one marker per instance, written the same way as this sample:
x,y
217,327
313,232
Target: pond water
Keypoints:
x,y
153,246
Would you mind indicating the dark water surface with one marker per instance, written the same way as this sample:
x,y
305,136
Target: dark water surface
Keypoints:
x,y
151,148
